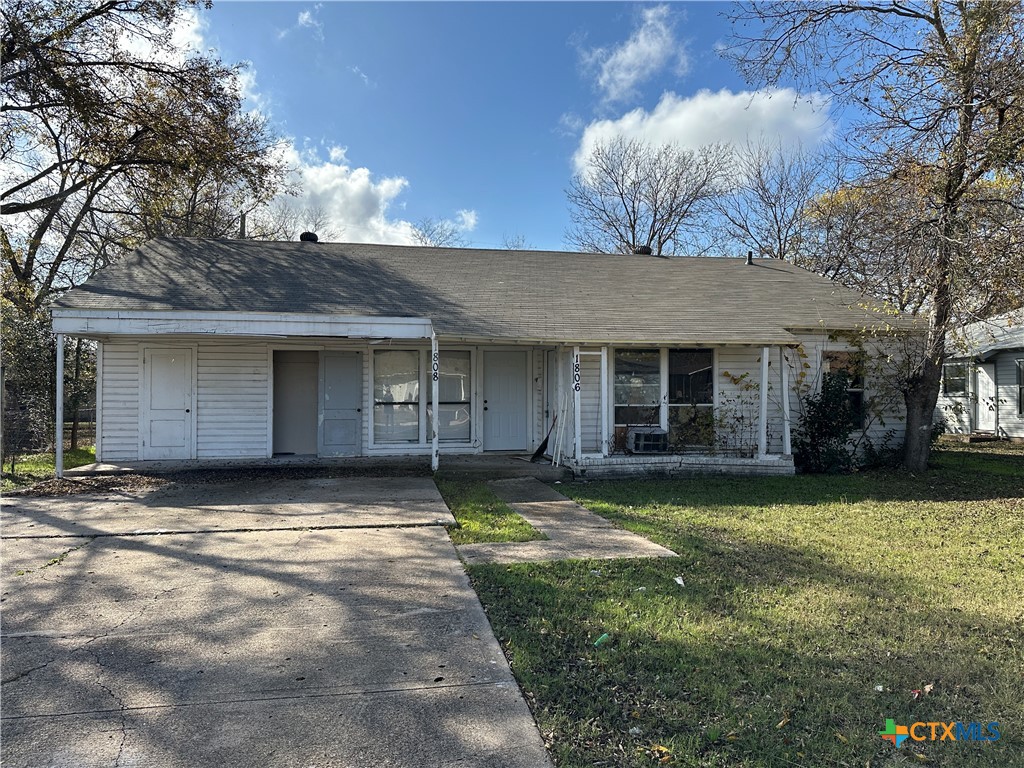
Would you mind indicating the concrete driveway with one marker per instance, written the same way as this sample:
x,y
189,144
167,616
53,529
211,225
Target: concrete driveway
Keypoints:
x,y
337,646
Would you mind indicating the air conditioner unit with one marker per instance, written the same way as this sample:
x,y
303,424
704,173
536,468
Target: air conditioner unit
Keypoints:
x,y
647,440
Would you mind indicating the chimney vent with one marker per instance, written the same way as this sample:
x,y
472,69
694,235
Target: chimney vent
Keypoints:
x,y
309,237
643,250
750,257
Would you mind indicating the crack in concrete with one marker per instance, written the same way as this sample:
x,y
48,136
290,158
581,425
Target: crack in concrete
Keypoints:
x,y
121,708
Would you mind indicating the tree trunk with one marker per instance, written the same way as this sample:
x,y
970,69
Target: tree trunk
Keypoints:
x,y
920,401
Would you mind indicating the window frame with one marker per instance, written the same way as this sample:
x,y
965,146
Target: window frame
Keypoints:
x,y
662,409
424,403
857,381
1020,386
965,390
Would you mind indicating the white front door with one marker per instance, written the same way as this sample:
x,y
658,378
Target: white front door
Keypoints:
x,y
167,418
505,401
988,416
341,391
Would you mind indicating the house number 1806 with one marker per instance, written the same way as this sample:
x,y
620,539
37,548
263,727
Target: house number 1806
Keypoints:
x,y
576,373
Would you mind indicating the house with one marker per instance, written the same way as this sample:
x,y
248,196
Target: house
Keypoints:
x,y
983,379
211,349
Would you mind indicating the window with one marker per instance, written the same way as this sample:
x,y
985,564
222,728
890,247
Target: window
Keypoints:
x,y
396,396
637,387
690,397
954,379
1020,387
852,365
454,388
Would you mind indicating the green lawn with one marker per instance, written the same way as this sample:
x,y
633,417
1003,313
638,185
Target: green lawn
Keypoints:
x,y
811,609
35,467
482,516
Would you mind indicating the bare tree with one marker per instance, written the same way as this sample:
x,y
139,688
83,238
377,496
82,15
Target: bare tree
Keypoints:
x,y
516,242
940,86
438,233
772,188
284,220
631,195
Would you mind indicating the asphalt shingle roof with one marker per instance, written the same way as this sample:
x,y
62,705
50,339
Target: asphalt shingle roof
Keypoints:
x,y
482,294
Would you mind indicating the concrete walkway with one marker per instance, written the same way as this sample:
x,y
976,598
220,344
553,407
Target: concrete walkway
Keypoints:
x,y
312,648
574,533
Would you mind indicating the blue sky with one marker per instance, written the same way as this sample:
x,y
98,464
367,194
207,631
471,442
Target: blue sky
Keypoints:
x,y
478,112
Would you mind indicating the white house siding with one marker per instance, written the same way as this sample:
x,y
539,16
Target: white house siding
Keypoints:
x,y
955,413
119,402
886,424
231,401
1011,422
738,403
590,401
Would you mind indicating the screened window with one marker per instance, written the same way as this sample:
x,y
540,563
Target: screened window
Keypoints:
x,y
396,396
454,387
690,397
954,379
853,366
637,386
1020,387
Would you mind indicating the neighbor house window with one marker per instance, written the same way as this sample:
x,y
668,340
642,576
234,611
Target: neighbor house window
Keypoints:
x,y
1020,387
852,365
637,387
454,387
396,396
954,379
690,397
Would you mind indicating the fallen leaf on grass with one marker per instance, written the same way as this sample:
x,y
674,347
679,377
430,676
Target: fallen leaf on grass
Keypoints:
x,y
842,738
783,722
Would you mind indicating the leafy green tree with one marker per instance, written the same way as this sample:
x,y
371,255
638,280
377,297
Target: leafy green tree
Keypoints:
x,y
939,87
112,136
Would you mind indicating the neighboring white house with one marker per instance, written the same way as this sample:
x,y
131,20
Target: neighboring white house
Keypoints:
x,y
214,349
983,379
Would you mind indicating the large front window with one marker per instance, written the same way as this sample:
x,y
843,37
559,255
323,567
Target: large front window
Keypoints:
x,y
690,397
637,387
454,387
396,396
671,388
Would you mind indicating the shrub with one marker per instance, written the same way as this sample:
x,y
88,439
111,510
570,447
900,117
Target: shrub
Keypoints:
x,y
821,441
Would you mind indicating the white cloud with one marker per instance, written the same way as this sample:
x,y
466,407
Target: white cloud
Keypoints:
x,y
184,38
362,76
306,19
570,124
781,115
648,51
355,202
465,220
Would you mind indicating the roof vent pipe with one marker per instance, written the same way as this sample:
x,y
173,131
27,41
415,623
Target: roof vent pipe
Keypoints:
x,y
750,257
642,250
309,237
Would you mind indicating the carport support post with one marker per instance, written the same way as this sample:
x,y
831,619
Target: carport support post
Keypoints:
x,y
762,423
58,458
435,375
